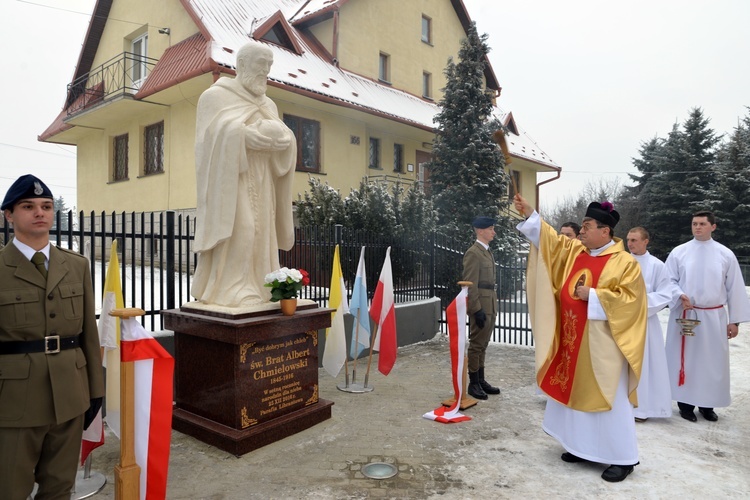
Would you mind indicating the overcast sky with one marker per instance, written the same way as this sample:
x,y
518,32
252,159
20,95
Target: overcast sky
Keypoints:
x,y
589,80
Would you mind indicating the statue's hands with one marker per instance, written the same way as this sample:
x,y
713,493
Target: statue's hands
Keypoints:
x,y
255,140
271,139
281,144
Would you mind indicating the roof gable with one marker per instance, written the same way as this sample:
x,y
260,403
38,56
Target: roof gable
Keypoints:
x,y
278,31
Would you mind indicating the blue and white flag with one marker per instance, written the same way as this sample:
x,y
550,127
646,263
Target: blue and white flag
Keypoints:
x,y
358,306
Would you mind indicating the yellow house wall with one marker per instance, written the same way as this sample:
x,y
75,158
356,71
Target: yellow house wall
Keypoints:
x,y
131,18
394,27
175,188
343,164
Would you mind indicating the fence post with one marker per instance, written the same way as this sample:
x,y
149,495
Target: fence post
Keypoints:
x,y
432,264
338,236
170,259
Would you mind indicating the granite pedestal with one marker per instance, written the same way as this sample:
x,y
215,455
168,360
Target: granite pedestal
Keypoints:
x,y
245,381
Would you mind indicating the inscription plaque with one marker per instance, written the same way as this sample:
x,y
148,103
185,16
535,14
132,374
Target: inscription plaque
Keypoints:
x,y
243,383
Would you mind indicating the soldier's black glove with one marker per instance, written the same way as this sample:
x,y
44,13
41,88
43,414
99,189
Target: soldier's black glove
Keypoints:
x,y
90,414
480,318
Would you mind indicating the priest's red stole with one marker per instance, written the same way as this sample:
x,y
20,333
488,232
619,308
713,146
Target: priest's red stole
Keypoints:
x,y
558,380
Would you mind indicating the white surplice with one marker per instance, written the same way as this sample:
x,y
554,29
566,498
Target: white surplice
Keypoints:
x,y
654,394
709,274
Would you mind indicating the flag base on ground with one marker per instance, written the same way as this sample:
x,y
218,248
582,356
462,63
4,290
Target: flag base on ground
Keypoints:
x,y
88,484
456,316
466,402
356,388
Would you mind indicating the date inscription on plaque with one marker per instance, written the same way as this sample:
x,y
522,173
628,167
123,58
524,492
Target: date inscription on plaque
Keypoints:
x,y
281,375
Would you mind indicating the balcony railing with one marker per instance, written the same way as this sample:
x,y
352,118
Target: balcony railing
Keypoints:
x,y
121,75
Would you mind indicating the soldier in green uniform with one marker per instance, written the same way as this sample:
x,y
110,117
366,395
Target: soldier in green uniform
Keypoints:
x,y
480,269
51,377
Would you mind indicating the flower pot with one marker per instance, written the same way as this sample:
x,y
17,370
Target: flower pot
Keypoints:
x,y
288,306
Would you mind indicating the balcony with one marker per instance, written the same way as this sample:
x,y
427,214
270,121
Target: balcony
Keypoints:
x,y
119,77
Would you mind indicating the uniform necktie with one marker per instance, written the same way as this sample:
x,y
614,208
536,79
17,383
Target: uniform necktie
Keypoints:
x,y
38,260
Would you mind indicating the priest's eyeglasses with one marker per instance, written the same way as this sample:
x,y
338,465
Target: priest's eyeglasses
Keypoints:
x,y
588,226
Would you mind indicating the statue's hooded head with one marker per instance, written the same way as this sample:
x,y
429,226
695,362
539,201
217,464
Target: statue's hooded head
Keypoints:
x,y
254,62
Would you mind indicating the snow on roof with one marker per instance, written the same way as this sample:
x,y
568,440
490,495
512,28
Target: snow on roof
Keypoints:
x,y
521,144
230,23
313,7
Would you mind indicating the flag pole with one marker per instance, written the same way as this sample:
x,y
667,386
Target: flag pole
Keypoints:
x,y
127,472
356,348
466,400
369,359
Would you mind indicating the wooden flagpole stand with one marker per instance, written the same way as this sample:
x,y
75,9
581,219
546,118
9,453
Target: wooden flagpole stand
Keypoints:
x,y
127,472
466,400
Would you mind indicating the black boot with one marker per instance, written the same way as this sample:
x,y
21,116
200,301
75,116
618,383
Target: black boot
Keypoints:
x,y
475,388
486,387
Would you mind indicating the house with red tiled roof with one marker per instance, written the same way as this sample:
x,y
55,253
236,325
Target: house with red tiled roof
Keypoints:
x,y
358,81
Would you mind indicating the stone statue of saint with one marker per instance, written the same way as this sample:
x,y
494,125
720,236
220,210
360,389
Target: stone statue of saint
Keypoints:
x,y
245,158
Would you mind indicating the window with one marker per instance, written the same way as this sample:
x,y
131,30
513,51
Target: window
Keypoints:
x,y
384,68
153,149
120,158
426,29
514,183
398,157
374,152
426,85
139,48
307,133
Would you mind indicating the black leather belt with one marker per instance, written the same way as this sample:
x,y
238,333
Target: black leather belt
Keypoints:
x,y
487,287
49,345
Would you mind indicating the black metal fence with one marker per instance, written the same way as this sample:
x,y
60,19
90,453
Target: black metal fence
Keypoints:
x,y
157,263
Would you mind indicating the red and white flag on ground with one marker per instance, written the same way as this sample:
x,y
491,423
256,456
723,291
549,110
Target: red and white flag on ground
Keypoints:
x,y
153,369
456,315
383,313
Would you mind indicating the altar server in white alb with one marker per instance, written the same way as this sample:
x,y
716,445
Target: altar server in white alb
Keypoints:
x,y
654,395
707,278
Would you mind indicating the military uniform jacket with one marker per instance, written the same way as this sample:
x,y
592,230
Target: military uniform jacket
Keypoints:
x,y
479,268
37,388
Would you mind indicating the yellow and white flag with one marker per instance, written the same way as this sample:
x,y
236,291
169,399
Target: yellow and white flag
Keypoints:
x,y
334,355
109,337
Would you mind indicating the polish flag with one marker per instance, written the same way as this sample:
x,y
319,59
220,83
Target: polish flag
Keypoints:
x,y
456,315
383,313
153,369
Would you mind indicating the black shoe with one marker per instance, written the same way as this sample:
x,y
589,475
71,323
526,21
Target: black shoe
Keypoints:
x,y
571,459
616,473
486,387
475,388
475,391
709,414
688,415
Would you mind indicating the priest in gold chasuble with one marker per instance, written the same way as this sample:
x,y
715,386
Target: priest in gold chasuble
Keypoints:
x,y
588,308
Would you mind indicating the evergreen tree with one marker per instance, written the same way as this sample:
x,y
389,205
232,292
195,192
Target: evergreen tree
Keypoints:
x,y
683,174
321,206
730,195
371,207
700,147
466,172
60,206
